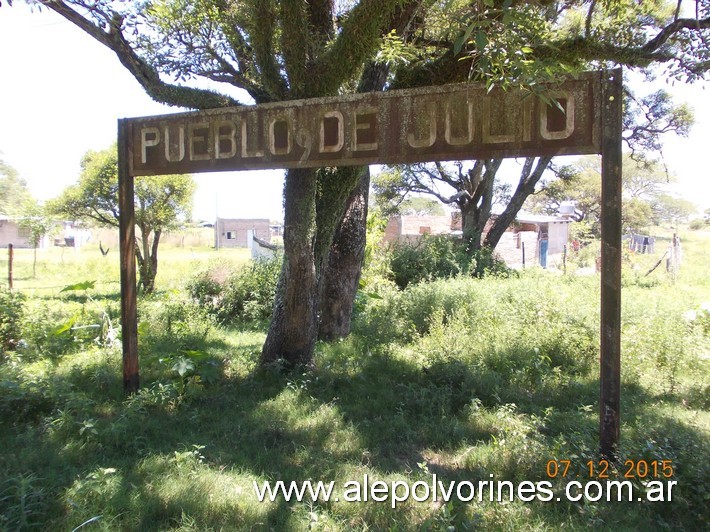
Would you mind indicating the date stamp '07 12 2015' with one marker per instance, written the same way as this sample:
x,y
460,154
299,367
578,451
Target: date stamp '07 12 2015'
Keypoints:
x,y
600,469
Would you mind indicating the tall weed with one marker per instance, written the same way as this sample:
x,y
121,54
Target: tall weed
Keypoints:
x,y
11,307
241,296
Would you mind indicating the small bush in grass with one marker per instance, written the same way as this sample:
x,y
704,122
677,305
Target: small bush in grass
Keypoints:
x,y
440,257
47,330
23,398
699,318
431,258
698,224
241,296
169,326
11,307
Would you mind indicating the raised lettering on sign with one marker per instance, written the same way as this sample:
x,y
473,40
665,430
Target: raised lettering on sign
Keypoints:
x,y
438,123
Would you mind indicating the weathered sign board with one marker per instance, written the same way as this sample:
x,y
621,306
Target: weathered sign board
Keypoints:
x,y
450,122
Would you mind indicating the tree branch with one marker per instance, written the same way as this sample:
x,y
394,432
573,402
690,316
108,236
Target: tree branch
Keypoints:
x,y
295,37
444,176
673,28
262,31
320,17
588,22
145,74
357,41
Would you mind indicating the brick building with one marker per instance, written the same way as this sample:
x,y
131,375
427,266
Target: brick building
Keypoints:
x,y
239,232
541,237
411,228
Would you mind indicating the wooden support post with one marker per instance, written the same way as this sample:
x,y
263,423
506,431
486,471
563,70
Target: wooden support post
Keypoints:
x,y
610,359
129,311
10,256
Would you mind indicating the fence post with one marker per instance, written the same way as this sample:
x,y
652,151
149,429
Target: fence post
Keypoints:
x,y
523,247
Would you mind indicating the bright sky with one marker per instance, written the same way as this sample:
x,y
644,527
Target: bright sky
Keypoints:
x,y
61,94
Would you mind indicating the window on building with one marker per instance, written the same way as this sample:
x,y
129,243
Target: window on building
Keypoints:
x,y
231,235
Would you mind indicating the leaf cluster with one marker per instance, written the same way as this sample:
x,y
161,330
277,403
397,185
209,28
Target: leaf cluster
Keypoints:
x,y
13,190
162,202
646,119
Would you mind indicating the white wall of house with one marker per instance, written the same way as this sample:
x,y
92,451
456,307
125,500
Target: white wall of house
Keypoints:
x,y
234,233
558,234
11,233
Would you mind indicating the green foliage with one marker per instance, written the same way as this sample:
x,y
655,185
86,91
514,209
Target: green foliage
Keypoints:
x,y
13,191
161,203
83,285
388,189
242,296
376,274
429,258
647,118
671,210
395,52
169,325
192,369
22,502
36,220
95,196
700,318
52,331
24,398
11,308
581,231
463,378
635,215
579,183
500,38
643,183
698,224
437,257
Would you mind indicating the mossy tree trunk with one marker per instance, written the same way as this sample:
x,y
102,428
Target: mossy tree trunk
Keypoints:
x,y
341,277
314,206
292,333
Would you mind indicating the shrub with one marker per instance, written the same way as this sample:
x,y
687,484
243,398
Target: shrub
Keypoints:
x,y
485,262
11,307
431,258
169,326
23,398
52,330
440,257
697,224
245,295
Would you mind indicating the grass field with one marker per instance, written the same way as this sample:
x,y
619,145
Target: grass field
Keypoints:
x,y
461,380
